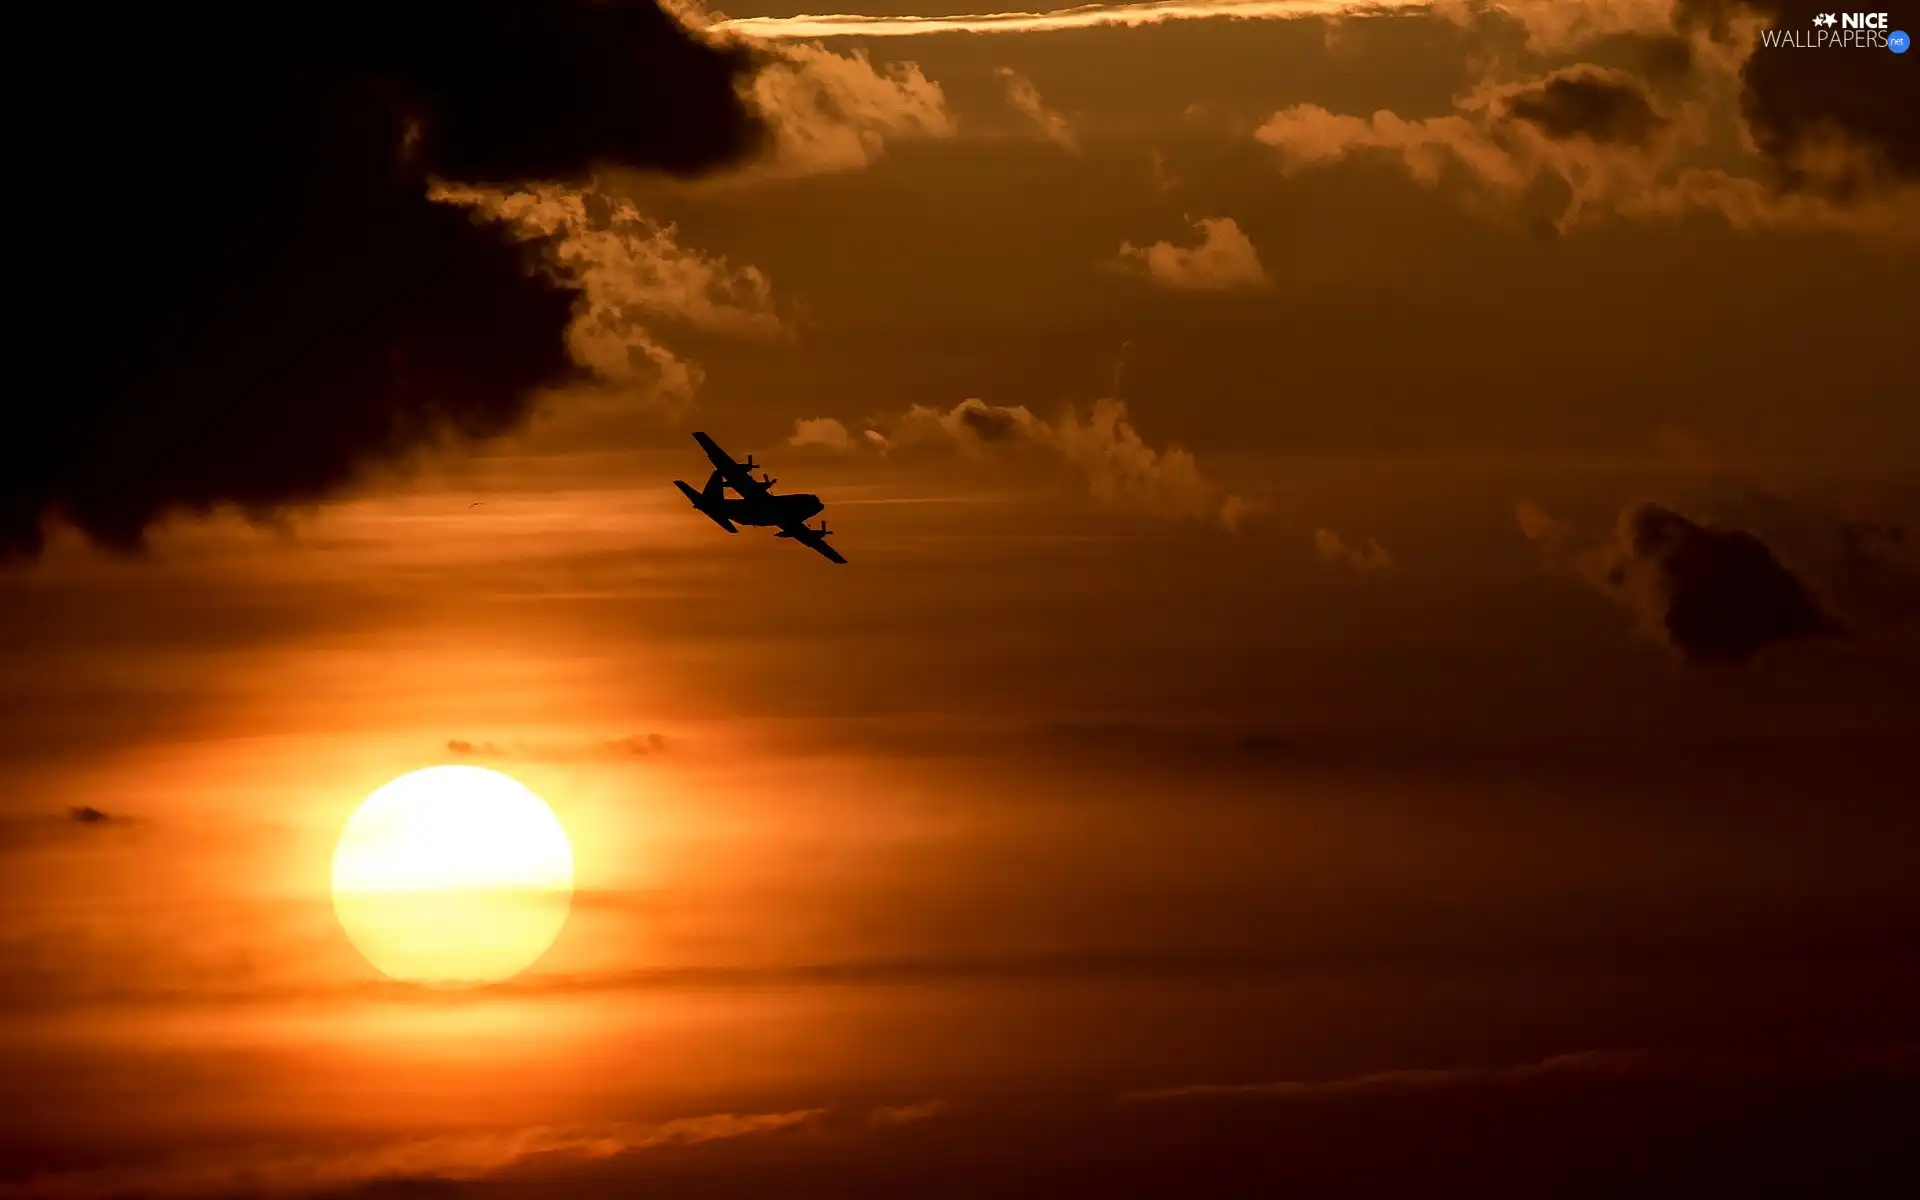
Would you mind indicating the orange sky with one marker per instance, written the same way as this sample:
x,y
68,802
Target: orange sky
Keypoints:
x,y
1258,663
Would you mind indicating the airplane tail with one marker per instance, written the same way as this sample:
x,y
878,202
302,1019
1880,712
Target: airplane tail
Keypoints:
x,y
700,503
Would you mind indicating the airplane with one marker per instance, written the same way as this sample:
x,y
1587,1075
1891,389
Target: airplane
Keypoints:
x,y
755,503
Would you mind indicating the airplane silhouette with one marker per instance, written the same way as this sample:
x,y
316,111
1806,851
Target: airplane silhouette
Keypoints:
x,y
755,503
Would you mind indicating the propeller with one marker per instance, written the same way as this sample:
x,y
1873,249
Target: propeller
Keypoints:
x,y
750,464
824,531
767,480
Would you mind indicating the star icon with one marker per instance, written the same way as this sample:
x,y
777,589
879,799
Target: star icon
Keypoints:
x,y
1827,19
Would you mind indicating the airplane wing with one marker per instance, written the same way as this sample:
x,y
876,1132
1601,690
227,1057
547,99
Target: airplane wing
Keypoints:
x,y
812,539
738,477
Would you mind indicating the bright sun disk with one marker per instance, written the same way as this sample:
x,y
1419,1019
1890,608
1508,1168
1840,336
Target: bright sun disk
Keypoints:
x,y
453,876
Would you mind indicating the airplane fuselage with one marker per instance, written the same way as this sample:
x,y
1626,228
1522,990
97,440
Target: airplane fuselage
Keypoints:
x,y
791,509
753,502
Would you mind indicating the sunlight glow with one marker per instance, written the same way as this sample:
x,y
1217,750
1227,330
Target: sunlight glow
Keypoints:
x,y
453,876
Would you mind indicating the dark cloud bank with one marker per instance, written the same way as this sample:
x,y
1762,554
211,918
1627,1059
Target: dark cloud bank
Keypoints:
x,y
1801,105
249,297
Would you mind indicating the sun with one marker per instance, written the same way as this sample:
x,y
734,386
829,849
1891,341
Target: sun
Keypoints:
x,y
453,876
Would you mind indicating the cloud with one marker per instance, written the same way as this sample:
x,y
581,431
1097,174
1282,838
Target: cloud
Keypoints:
x,y
455,1157
256,298
1121,470
1225,259
1575,144
1025,98
1088,16
639,745
908,1114
1830,140
1565,26
1750,205
32,829
1588,1064
1372,558
632,274
836,112
1163,180
1602,1122
1541,526
629,265
1608,107
1715,596
1862,552
1580,1066
1832,122
824,432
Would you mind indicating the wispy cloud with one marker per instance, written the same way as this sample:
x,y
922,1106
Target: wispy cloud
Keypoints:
x,y
1539,525
1087,16
1121,469
639,745
1052,124
1582,1065
1365,560
908,1114
451,1158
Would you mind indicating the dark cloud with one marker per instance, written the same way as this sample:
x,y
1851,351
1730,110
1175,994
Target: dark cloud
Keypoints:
x,y
1755,568
990,422
1589,102
251,297
1832,120
32,829
1661,57
1717,596
1863,552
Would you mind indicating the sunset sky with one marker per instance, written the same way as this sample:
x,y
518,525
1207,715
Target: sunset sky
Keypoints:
x,y
1380,651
